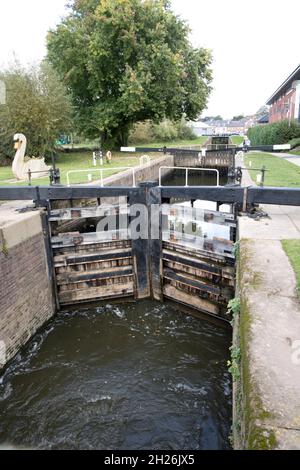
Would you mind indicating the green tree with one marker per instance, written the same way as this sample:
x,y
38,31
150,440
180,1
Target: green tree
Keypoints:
x,y
239,117
36,105
212,118
127,61
263,110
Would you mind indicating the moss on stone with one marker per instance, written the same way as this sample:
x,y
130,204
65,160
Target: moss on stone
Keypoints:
x,y
254,433
262,439
3,244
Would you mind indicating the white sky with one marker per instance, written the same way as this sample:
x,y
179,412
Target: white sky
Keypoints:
x,y
255,43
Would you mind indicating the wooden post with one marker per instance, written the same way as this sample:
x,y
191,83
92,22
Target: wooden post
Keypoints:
x,y
49,254
140,246
147,252
156,262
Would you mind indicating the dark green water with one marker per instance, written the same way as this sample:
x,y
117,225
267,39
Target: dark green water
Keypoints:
x,y
196,178
128,376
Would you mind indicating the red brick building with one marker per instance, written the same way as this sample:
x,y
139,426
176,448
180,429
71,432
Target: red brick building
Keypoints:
x,y
285,101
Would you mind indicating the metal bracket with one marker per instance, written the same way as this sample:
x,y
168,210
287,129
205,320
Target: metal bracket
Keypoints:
x,y
38,202
245,198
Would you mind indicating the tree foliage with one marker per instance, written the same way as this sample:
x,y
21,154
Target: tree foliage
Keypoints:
x,y
274,134
263,110
239,117
166,131
212,118
127,61
36,105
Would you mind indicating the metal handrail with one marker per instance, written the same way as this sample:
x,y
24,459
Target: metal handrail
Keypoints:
x,y
187,170
101,170
260,178
53,173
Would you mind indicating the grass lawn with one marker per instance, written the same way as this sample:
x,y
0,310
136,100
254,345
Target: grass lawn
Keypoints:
x,y
295,152
79,161
6,173
280,172
292,249
237,139
174,143
83,161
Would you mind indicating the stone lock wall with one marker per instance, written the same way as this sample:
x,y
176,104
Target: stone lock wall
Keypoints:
x,y
26,301
148,172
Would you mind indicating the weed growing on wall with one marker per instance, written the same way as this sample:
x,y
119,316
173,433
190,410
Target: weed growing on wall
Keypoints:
x,y
234,363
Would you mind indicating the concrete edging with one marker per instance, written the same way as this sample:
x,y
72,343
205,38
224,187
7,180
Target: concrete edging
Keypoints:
x,y
267,394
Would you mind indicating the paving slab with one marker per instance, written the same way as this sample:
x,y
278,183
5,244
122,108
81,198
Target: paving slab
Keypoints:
x,y
273,311
16,225
271,304
275,227
283,222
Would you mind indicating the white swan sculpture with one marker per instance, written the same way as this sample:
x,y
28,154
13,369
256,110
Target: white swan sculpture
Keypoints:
x,y
22,165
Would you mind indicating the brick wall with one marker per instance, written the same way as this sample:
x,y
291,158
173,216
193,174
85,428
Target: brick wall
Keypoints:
x,y
283,107
25,291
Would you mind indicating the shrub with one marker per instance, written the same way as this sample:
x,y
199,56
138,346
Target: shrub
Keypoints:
x,y
184,131
295,142
273,134
142,132
166,131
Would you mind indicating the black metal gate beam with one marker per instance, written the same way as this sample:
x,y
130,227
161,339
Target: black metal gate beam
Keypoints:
x,y
223,194
30,193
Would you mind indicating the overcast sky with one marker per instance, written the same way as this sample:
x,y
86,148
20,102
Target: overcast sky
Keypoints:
x,y
255,43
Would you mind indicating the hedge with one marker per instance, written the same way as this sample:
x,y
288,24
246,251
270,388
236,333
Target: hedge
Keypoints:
x,y
273,134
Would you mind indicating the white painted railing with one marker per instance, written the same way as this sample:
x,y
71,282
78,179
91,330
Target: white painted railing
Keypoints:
x,y
101,171
187,170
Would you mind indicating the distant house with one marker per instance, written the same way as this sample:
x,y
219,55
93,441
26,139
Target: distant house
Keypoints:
x,y
200,128
285,101
219,127
222,127
263,119
237,127
230,127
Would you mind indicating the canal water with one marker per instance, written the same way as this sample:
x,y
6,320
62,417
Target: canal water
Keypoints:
x,y
122,376
196,178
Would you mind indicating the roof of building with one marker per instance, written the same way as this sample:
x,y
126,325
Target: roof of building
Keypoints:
x,y
199,124
285,86
240,123
263,119
228,123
